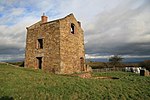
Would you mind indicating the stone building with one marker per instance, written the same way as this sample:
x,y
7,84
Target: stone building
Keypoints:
x,y
56,46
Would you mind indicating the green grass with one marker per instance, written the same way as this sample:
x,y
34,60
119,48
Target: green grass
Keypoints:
x,y
28,84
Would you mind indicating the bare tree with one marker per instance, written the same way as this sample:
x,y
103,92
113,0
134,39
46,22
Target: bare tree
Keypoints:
x,y
115,60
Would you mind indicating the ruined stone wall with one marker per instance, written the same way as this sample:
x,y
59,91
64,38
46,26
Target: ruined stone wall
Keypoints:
x,y
30,47
71,45
62,50
50,53
51,46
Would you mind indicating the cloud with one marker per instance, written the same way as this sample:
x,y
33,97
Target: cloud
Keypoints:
x,y
124,30
1,9
15,16
9,57
12,38
110,27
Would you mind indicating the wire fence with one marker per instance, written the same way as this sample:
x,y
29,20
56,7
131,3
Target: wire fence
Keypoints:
x,y
108,69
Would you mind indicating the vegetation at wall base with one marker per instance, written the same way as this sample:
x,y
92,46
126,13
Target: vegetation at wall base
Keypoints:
x,y
27,84
20,64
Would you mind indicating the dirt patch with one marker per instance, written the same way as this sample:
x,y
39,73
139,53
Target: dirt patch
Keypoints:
x,y
89,75
101,77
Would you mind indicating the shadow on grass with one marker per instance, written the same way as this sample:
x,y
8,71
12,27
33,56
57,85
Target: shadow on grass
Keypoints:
x,y
6,98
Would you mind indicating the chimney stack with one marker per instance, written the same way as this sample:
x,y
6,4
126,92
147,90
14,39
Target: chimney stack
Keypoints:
x,y
44,18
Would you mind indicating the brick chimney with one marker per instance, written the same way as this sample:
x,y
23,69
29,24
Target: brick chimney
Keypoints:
x,y
44,18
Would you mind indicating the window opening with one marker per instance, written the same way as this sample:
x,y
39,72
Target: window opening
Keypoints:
x,y
40,43
72,28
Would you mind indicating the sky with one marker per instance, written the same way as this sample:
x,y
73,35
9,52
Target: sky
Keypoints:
x,y
111,27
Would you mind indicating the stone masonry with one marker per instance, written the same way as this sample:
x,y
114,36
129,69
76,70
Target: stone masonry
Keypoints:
x,y
56,46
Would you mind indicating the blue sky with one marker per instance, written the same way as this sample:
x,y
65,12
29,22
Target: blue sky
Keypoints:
x,y
111,27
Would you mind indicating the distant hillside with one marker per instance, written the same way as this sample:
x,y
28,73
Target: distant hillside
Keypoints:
x,y
98,65
13,60
125,60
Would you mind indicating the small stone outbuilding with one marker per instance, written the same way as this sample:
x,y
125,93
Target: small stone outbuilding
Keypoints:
x,y
56,46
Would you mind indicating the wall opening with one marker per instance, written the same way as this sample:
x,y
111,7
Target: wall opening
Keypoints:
x,y
40,43
72,28
82,63
39,62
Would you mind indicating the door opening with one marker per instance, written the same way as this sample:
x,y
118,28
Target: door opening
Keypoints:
x,y
82,63
39,62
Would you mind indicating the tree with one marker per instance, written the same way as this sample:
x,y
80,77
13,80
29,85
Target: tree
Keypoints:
x,y
115,60
145,64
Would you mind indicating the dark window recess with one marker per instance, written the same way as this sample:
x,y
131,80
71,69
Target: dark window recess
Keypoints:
x,y
82,63
72,28
39,62
40,43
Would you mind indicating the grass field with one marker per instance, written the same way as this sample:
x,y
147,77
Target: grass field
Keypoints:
x,y
28,84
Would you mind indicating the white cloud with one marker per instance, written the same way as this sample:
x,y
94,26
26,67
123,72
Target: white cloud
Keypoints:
x,y
94,56
1,8
14,35
120,29
17,11
111,27
11,57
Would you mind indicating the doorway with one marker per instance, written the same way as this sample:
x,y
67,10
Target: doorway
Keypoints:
x,y
39,62
82,63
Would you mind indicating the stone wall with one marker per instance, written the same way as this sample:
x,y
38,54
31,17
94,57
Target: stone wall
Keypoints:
x,y
144,72
62,52
50,53
71,45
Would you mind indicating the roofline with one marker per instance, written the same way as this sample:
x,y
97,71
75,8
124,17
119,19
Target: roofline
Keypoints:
x,y
60,18
71,14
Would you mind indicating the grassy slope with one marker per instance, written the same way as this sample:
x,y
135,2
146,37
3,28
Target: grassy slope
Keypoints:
x,y
28,84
